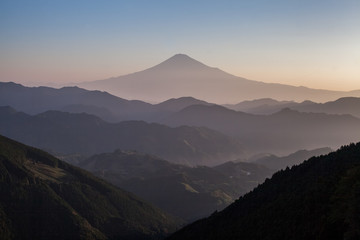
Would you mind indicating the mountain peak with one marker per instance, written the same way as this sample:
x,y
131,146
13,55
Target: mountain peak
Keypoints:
x,y
180,62
181,57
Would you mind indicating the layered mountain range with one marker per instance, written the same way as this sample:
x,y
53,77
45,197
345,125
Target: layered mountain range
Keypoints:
x,y
283,132
345,105
34,100
304,125
69,133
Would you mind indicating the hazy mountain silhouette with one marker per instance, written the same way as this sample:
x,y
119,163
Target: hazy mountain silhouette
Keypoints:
x,y
42,197
101,112
189,193
33,100
177,104
181,76
281,133
346,105
261,106
318,199
277,163
69,133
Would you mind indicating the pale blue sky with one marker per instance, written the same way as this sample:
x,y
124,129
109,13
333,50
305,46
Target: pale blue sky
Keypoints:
x,y
299,42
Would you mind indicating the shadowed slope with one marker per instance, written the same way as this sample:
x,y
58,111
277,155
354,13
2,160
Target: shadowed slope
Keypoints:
x,y
42,197
190,193
315,200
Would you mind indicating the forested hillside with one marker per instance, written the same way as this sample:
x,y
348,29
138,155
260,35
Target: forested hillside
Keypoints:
x,y
318,199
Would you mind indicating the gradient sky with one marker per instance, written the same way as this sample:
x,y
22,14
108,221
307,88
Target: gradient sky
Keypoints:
x,y
314,43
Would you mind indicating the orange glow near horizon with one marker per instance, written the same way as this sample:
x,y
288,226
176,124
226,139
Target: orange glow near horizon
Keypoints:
x,y
338,78
300,43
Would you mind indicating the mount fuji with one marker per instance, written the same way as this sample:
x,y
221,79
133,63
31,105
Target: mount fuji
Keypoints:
x,y
182,75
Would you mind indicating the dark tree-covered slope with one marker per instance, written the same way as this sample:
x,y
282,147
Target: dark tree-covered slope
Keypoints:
x,y
188,192
318,199
42,197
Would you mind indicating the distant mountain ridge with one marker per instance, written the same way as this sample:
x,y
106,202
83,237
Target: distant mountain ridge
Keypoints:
x,y
177,104
345,105
34,100
69,133
281,133
182,75
261,106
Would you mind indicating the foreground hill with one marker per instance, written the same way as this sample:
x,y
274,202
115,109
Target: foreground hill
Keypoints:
x,y
282,133
318,199
42,197
68,133
181,76
190,193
